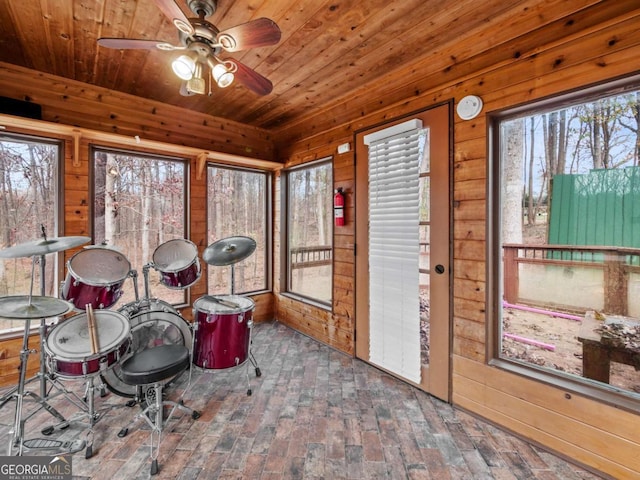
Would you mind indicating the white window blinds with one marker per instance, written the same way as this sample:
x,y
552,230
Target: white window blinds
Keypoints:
x,y
394,305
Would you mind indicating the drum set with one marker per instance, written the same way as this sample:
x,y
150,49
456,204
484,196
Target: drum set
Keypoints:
x,y
91,344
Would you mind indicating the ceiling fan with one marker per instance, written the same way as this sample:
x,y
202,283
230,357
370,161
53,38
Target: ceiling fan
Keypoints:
x,y
201,44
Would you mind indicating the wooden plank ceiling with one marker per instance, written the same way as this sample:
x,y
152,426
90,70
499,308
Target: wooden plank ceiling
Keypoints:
x,y
329,49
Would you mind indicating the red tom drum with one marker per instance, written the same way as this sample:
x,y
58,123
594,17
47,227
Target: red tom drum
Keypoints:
x,y
178,263
222,330
95,276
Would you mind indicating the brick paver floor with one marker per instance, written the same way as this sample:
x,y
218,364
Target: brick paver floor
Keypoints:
x,y
314,413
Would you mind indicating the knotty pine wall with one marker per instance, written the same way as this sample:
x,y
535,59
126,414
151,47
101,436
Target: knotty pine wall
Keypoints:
x,y
81,115
600,44
335,327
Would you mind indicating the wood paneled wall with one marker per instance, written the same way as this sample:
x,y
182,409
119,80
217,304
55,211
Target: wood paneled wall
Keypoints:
x,y
81,115
600,44
335,327
74,103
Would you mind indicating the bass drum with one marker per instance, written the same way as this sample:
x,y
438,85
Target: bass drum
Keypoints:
x,y
153,322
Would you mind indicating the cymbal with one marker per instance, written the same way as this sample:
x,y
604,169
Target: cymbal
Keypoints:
x,y
42,246
18,307
229,250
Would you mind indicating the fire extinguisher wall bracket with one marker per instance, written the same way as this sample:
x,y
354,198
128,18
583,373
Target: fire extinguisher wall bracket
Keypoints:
x,y
338,207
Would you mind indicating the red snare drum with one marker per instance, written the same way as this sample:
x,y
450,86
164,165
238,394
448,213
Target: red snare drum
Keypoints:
x,y
95,275
153,322
68,345
178,263
223,330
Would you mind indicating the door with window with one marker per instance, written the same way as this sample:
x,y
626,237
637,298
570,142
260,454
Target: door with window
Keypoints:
x,y
403,248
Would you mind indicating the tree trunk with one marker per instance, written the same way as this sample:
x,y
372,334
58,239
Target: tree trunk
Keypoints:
x,y
145,176
531,214
512,182
110,198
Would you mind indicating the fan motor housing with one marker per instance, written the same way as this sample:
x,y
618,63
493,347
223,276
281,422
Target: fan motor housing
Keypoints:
x,y
203,41
208,7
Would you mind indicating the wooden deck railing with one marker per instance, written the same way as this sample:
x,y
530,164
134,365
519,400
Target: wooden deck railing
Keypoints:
x,y
314,256
616,263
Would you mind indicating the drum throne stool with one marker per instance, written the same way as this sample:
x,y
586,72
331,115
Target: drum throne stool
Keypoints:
x,y
152,368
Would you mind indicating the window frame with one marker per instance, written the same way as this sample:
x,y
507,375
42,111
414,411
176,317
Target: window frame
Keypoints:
x,y
494,270
93,148
268,213
58,221
286,222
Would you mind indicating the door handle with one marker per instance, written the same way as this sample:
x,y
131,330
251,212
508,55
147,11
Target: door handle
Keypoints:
x,y
439,269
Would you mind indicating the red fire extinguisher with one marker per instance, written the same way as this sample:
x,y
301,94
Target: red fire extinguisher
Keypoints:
x,y
338,208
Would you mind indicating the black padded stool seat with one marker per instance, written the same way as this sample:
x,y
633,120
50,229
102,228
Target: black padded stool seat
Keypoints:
x,y
155,364
151,367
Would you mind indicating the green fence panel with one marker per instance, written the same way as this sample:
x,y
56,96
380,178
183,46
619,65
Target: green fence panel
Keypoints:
x,y
600,208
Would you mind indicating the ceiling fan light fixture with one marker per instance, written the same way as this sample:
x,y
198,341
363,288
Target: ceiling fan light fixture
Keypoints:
x,y
184,90
184,67
196,84
222,76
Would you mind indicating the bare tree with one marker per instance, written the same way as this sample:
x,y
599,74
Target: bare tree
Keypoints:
x,y
512,182
145,198
110,198
633,105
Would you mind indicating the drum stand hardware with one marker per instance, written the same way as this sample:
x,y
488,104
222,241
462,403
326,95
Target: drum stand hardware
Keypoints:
x,y
145,275
134,278
28,308
86,405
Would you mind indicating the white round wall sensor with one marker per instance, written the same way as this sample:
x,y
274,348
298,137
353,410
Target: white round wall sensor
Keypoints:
x,y
469,107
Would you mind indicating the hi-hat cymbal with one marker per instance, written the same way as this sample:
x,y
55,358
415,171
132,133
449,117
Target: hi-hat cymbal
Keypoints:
x,y
229,250
42,246
21,307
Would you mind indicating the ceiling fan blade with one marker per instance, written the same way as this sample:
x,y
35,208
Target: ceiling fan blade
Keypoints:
x,y
130,43
173,12
251,79
256,33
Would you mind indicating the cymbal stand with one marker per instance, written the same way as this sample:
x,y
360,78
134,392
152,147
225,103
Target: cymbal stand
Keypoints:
x,y
42,374
250,356
17,432
42,330
233,277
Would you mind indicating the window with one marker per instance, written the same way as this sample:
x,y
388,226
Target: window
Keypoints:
x,y
569,241
28,202
309,231
139,207
239,205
